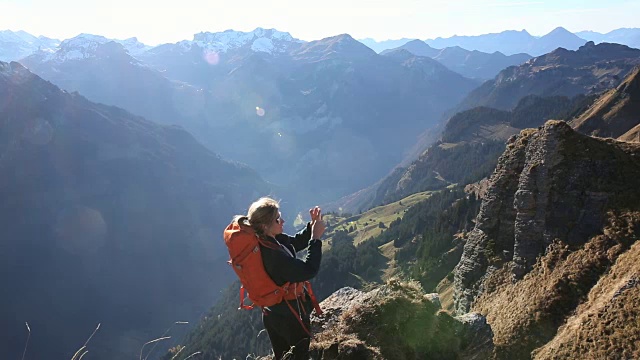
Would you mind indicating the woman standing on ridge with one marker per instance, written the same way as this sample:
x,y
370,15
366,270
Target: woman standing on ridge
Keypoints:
x,y
289,300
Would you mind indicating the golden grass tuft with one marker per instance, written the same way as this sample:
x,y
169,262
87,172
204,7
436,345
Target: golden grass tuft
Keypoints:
x,y
607,325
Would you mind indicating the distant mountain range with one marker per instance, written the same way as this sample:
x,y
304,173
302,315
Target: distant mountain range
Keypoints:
x,y
324,108
472,64
19,44
512,42
588,70
380,46
625,36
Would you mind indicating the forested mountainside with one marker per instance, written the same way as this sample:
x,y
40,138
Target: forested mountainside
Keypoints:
x,y
473,140
87,191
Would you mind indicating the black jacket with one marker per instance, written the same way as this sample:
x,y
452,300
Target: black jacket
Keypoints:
x,y
282,265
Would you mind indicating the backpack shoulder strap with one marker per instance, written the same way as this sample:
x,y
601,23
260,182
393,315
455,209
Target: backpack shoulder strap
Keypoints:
x,y
314,300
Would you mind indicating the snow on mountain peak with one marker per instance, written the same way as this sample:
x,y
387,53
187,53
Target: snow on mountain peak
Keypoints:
x,y
133,46
263,40
84,46
263,45
20,44
80,47
17,37
83,41
8,36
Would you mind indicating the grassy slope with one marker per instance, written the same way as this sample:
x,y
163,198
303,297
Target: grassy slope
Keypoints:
x,y
366,225
579,284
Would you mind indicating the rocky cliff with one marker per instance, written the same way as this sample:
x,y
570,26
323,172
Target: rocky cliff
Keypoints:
x,y
560,210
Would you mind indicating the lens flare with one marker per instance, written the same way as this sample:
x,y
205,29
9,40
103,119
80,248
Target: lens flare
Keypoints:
x,y
259,111
81,230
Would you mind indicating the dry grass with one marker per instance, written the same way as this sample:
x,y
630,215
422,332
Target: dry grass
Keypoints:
x,y
632,135
615,112
445,291
392,270
26,345
526,315
607,325
342,346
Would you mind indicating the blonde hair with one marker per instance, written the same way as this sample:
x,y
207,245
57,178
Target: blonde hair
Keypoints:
x,y
262,213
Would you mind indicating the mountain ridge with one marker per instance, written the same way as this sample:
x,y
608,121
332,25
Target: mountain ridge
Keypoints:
x,y
16,45
472,64
590,69
513,42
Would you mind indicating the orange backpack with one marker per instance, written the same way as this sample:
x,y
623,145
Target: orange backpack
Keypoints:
x,y
246,260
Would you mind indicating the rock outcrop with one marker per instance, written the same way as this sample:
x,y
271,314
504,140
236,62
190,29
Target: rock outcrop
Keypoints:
x,y
552,247
549,184
395,321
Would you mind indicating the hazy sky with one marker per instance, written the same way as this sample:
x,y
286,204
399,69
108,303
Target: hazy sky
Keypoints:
x,y
159,21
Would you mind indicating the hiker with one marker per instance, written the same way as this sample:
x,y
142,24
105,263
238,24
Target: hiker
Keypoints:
x,y
287,307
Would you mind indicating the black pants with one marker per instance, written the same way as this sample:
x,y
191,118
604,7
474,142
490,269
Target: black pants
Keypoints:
x,y
288,338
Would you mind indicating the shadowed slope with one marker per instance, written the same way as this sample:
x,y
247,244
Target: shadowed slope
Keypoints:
x,y
107,218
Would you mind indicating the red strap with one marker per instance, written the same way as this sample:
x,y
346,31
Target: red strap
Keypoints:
x,y
299,318
242,297
314,301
